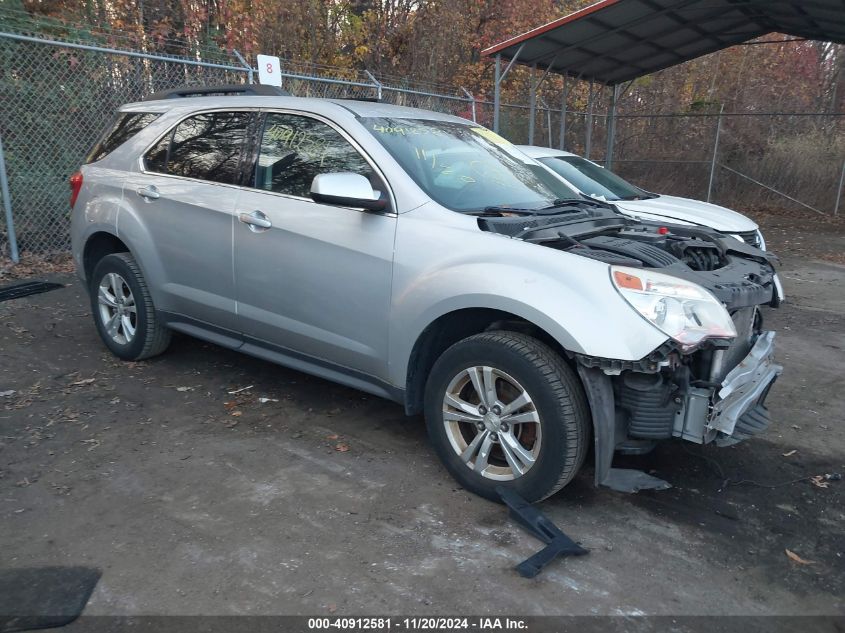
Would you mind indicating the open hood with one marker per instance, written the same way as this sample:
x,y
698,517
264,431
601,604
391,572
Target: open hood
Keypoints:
x,y
686,210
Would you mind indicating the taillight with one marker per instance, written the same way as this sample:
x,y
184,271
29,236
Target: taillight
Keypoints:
x,y
75,186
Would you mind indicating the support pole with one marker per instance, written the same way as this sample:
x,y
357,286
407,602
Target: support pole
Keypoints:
x,y
549,122
472,101
497,92
562,144
588,132
7,207
611,127
376,83
497,80
839,191
249,71
532,104
715,154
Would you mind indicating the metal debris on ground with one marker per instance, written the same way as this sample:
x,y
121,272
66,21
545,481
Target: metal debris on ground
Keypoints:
x,y
535,522
27,288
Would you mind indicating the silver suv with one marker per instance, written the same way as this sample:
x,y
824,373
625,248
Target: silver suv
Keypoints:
x,y
422,258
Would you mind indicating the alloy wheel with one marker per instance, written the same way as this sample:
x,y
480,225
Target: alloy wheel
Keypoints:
x,y
492,423
118,311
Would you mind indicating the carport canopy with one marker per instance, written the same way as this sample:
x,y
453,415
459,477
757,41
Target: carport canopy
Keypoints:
x,y
614,41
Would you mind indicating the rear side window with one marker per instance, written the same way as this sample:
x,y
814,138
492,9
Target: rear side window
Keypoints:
x,y
125,126
206,147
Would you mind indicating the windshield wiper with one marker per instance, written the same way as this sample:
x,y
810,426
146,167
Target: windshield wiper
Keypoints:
x,y
514,210
565,202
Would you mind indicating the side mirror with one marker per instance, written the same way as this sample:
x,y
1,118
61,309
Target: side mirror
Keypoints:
x,y
346,189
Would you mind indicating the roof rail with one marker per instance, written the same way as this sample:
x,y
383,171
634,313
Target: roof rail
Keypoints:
x,y
253,90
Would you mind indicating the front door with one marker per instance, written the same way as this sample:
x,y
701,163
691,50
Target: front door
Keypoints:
x,y
312,278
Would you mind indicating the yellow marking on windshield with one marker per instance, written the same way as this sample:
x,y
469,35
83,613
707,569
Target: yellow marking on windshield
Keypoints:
x,y
491,136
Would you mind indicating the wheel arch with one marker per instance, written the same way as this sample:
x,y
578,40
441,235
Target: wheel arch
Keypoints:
x,y
448,329
97,246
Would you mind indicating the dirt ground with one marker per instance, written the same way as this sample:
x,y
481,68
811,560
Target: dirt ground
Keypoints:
x,y
323,500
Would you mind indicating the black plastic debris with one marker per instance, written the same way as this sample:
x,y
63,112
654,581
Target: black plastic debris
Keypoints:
x,y
535,522
43,597
27,288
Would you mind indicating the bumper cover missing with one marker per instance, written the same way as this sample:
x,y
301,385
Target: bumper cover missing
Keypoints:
x,y
743,388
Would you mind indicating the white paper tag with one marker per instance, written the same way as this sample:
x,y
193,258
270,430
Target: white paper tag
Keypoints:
x,y
269,70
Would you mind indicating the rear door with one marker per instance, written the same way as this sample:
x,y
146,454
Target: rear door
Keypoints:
x,y
316,278
184,192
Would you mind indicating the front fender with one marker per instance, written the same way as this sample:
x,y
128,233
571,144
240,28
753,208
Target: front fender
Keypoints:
x,y
569,297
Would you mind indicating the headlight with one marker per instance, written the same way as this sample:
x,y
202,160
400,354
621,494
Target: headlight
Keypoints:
x,y
683,310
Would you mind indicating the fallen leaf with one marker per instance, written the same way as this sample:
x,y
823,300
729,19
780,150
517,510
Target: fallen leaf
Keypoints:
x,y
230,405
341,448
84,381
332,608
263,400
791,453
796,558
184,388
333,436
235,414
819,481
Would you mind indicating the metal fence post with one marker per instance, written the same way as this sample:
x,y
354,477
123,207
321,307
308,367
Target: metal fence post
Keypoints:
x,y
250,71
7,207
532,104
472,102
562,144
376,83
715,154
839,191
588,132
611,127
497,80
548,118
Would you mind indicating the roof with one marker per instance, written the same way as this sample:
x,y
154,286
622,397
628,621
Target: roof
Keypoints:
x,y
357,108
613,41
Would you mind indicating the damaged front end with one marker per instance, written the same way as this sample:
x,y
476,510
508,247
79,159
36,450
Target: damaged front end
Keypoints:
x,y
702,385
665,396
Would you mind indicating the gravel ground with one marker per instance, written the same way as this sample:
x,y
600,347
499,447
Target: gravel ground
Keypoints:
x,y
323,500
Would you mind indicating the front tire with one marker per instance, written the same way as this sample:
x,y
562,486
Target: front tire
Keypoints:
x,y
123,309
503,409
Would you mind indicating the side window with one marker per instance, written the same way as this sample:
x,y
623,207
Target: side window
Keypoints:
x,y
156,158
295,148
124,127
206,146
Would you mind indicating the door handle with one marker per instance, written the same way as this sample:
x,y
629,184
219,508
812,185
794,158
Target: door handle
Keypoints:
x,y
150,193
256,221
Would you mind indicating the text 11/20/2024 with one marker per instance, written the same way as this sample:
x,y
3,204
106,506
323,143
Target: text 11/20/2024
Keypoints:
x,y
482,624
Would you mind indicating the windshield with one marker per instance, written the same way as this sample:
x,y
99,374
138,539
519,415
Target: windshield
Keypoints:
x,y
593,180
467,168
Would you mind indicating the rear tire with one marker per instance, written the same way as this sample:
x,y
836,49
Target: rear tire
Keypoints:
x,y
123,309
533,418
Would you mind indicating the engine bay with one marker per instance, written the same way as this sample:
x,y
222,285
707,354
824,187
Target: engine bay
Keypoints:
x,y
738,274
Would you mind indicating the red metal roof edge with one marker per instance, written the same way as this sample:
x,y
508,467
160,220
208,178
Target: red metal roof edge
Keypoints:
x,y
548,27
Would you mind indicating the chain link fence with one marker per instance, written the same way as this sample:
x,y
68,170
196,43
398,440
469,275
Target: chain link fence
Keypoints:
x,y
56,96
